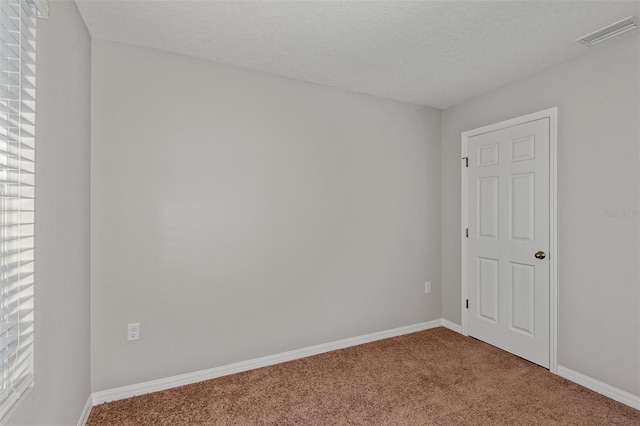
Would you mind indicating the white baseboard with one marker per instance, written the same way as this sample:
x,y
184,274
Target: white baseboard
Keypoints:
x,y
86,411
452,326
602,388
238,367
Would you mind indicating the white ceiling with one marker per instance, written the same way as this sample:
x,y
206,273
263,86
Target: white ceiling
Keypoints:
x,y
434,53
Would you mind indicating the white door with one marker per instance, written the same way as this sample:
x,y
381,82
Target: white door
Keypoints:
x,y
508,239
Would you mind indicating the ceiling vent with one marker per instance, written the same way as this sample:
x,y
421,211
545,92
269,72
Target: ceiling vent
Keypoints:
x,y
612,30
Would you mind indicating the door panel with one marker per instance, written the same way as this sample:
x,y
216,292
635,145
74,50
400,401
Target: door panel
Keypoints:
x,y
488,289
488,207
508,214
521,212
522,287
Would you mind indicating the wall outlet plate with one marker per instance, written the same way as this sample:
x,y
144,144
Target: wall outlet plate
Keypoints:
x,y
133,331
427,287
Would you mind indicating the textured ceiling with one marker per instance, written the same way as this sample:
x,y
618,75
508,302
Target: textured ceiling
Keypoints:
x,y
434,53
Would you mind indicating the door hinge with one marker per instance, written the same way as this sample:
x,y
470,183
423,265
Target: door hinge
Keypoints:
x,y
467,303
466,233
466,161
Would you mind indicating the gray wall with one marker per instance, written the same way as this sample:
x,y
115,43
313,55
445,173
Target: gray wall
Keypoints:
x,y
62,222
598,149
237,214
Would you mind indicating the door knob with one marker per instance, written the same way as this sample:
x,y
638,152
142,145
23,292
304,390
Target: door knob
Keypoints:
x,y
540,255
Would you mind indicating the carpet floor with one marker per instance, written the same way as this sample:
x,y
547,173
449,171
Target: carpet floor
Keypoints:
x,y
433,377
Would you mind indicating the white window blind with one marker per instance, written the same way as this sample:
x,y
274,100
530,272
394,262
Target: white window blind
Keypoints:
x,y
17,155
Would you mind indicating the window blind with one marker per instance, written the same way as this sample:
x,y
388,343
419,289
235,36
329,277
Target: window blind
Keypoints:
x,y
17,198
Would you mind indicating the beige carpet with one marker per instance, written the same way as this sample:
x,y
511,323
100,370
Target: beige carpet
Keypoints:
x,y
434,377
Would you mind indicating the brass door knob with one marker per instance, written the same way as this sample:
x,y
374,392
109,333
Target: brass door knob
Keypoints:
x,y
540,255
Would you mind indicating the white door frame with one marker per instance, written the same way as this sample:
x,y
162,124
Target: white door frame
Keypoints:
x,y
552,115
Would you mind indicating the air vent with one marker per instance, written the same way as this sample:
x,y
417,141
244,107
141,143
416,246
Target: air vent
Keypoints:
x,y
612,30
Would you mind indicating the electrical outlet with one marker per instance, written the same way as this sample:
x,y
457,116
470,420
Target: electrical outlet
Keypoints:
x,y
427,287
133,331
